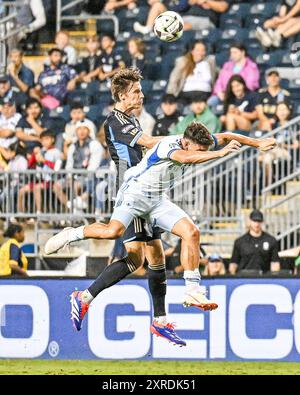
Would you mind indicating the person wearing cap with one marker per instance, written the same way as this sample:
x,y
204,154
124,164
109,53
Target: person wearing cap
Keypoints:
x,y
84,154
78,117
169,117
200,112
9,119
21,76
215,266
256,250
7,93
57,79
268,99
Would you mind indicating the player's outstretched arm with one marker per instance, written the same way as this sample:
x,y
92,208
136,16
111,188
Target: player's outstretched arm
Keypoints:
x,y
262,144
148,141
194,157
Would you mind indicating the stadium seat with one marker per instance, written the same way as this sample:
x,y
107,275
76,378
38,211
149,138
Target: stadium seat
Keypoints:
x,y
210,36
223,45
254,20
227,21
167,64
152,48
286,60
147,86
239,9
159,85
79,96
236,34
94,111
152,107
222,57
266,9
284,83
103,98
61,111
57,124
294,88
269,59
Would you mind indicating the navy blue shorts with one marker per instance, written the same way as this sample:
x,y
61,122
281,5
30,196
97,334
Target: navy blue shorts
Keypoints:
x,y
139,230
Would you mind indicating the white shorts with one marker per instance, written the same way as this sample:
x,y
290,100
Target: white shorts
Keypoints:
x,y
158,211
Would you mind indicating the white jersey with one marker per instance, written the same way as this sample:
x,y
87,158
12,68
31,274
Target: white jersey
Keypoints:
x,y
157,172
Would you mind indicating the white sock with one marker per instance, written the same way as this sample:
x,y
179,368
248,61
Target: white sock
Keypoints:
x,y
192,280
86,296
162,319
77,234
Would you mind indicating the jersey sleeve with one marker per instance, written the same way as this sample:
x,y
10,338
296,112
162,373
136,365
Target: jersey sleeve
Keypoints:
x,y
14,253
236,254
274,252
124,133
166,147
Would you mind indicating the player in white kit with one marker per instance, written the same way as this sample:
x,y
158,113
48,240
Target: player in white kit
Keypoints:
x,y
143,194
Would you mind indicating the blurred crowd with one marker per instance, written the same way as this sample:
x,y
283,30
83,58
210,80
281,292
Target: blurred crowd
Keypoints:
x,y
54,120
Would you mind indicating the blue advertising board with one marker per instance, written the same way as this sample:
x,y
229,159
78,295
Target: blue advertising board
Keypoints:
x,y
257,319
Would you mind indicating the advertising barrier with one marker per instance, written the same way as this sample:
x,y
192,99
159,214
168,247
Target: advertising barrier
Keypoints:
x,y
257,319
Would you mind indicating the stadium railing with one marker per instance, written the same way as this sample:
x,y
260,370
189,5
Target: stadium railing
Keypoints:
x,y
86,191
61,16
9,30
221,194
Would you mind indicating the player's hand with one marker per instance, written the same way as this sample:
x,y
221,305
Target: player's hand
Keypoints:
x,y
233,146
267,144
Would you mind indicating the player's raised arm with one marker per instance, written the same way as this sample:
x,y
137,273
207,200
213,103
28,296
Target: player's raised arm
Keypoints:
x,y
194,157
264,144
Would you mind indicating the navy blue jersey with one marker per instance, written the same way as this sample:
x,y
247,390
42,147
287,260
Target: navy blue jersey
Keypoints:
x,y
122,133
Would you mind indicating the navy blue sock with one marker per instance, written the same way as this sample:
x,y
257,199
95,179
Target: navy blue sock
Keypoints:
x,y
157,281
111,275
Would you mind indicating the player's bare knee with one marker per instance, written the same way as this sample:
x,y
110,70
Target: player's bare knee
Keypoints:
x,y
136,257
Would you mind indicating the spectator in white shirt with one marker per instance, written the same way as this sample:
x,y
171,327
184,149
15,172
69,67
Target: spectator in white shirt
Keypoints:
x,y
85,154
9,119
193,73
146,120
62,41
31,15
77,117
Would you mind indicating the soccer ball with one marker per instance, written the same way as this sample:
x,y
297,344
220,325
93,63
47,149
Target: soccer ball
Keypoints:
x,y
168,26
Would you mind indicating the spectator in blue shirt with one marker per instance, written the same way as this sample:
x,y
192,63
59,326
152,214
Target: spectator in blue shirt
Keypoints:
x,y
20,75
57,78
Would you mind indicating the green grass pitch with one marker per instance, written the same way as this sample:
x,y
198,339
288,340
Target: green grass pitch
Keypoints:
x,y
61,367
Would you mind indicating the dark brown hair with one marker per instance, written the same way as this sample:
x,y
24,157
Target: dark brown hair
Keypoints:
x,y
12,230
229,95
198,133
122,80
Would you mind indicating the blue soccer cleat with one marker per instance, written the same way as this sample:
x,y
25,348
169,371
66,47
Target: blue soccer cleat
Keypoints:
x,y
78,309
167,332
